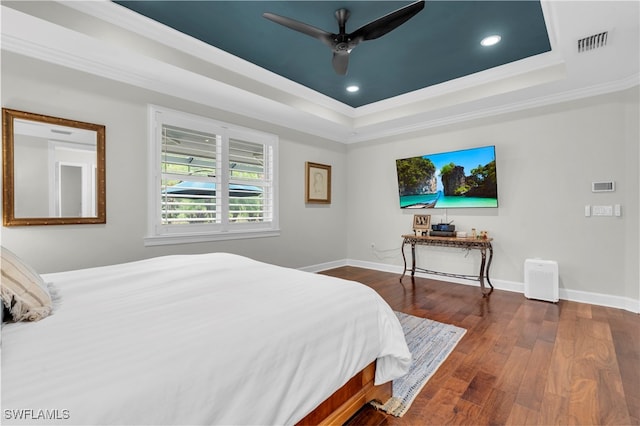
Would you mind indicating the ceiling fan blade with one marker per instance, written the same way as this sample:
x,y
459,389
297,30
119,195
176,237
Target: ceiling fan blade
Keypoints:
x,y
389,22
307,29
340,62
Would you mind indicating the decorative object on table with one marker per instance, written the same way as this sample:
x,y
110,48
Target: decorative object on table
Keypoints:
x,y
430,343
421,224
461,234
445,227
443,230
317,183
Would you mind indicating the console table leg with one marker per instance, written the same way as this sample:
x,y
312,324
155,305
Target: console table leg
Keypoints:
x,y
404,259
489,265
483,252
413,261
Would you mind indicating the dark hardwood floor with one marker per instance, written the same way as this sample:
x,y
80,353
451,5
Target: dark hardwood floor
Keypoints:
x,y
522,362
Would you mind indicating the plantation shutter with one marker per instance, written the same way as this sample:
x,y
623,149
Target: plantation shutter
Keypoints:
x,y
189,176
209,180
250,185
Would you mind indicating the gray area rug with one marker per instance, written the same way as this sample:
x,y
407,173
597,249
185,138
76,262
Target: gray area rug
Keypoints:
x,y
430,343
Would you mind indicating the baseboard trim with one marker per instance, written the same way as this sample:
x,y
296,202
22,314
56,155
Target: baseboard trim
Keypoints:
x,y
626,303
610,301
324,266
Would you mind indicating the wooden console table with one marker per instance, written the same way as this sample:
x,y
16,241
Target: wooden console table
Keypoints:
x,y
464,243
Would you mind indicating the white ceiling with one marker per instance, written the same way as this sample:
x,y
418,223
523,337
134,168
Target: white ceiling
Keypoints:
x,y
108,40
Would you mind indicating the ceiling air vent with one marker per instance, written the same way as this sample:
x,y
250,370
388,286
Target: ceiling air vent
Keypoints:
x,y
593,42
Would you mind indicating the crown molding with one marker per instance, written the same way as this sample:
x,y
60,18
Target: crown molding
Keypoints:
x,y
128,20
530,83
39,39
501,109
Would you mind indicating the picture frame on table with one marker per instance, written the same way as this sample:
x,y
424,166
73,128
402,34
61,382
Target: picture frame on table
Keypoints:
x,y
422,221
421,224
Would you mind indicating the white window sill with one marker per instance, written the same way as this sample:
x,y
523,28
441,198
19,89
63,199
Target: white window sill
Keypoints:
x,y
160,240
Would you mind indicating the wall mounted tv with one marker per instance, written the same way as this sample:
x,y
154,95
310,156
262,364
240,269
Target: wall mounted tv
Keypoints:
x,y
447,180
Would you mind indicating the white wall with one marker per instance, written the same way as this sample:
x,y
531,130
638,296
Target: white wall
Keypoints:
x,y
546,161
309,235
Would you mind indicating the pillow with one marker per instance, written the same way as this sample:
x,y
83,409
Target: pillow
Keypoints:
x,y
6,315
24,292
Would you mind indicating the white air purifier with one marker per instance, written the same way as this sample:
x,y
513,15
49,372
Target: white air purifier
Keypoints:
x,y
541,280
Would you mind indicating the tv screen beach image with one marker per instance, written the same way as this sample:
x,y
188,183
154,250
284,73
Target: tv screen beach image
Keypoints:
x,y
456,179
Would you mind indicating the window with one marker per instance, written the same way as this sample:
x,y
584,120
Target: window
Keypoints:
x,y
192,159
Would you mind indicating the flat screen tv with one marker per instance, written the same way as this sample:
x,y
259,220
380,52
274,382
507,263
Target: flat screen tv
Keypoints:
x,y
456,179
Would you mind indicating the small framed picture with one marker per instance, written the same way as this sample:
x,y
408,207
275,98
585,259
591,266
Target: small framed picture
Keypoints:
x,y
317,183
422,221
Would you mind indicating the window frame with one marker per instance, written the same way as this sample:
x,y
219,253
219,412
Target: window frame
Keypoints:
x,y
161,234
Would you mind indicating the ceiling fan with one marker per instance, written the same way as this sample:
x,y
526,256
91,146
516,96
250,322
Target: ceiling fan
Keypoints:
x,y
343,43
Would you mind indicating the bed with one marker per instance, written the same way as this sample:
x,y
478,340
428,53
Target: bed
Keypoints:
x,y
199,339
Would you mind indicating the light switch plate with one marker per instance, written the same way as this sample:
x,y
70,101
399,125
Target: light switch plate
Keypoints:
x,y
602,210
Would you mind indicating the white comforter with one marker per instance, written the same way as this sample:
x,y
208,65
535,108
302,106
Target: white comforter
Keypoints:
x,y
198,339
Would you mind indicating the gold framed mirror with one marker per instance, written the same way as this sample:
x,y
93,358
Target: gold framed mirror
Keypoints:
x,y
53,170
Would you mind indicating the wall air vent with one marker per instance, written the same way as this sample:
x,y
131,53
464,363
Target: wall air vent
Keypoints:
x,y
608,186
593,42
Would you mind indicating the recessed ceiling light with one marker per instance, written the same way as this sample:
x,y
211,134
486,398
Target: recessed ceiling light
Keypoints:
x,y
491,40
353,88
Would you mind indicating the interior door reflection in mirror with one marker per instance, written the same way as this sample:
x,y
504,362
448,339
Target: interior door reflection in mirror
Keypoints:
x,y
56,171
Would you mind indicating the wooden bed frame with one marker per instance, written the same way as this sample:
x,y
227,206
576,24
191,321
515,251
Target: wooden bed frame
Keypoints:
x,y
347,400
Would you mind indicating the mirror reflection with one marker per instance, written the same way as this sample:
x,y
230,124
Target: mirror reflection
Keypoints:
x,y
54,170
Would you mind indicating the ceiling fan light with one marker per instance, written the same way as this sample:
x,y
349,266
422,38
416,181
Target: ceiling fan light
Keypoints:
x,y
353,88
490,40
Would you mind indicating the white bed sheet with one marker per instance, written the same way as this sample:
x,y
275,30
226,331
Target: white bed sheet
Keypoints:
x,y
197,339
